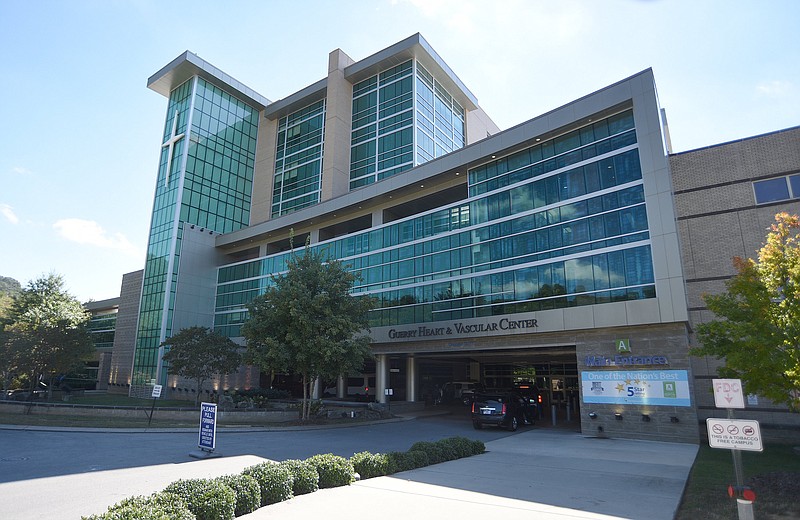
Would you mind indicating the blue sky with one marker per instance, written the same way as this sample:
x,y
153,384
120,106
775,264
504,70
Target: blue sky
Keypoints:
x,y
80,131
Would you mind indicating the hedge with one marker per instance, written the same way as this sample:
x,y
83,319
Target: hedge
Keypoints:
x,y
334,471
275,481
268,483
248,492
157,506
305,477
208,499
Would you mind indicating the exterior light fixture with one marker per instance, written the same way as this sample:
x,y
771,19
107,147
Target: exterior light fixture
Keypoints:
x,y
618,416
674,419
646,417
592,415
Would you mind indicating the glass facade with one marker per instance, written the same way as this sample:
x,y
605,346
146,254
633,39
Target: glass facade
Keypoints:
x,y
298,163
102,328
559,224
387,111
209,185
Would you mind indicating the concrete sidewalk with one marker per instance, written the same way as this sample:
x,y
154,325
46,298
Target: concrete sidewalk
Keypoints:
x,y
546,473
537,474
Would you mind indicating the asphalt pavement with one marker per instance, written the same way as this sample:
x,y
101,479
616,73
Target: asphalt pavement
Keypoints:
x,y
536,472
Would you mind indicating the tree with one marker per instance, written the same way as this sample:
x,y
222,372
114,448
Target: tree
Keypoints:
x,y
758,334
198,353
44,332
307,322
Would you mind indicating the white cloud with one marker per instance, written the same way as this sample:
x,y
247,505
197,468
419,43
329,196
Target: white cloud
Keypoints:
x,y
90,232
19,170
774,89
8,212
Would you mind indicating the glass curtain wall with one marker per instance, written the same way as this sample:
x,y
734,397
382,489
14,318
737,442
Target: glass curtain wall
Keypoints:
x,y
541,231
205,179
298,163
387,108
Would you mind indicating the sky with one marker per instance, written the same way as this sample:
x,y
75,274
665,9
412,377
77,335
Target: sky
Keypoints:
x,y
80,131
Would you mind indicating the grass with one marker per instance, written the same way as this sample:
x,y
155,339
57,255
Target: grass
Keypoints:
x,y
773,474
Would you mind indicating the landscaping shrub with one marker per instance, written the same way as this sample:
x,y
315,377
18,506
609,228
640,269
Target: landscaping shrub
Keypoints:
x,y
406,460
208,499
333,470
462,447
304,476
436,453
248,492
158,506
275,482
418,459
369,465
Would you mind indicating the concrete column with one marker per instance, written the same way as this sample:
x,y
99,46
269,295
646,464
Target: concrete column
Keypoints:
x,y
316,389
264,175
411,378
377,217
314,235
341,387
381,376
338,123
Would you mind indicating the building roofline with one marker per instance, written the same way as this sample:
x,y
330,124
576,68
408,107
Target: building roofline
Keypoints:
x,y
415,46
109,303
734,141
189,64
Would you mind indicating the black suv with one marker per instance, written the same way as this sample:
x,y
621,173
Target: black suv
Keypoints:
x,y
506,410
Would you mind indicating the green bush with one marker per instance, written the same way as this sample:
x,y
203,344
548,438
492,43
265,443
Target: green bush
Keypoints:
x,y
369,465
248,492
158,506
406,460
208,499
333,470
275,482
462,447
436,452
304,476
418,459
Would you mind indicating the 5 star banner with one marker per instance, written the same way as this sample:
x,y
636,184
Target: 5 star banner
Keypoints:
x,y
652,387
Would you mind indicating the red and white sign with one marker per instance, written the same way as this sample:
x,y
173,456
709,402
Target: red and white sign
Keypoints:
x,y
734,434
728,393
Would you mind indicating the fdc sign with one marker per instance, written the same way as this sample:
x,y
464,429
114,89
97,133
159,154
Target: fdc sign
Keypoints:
x,y
728,393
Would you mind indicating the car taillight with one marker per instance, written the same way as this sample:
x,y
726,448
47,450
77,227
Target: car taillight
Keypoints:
x,y
473,407
540,399
504,409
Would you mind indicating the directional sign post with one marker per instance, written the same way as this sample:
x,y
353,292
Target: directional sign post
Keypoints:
x,y
734,435
208,426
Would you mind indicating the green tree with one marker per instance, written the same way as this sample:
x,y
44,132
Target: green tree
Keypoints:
x,y
307,322
44,332
758,333
198,353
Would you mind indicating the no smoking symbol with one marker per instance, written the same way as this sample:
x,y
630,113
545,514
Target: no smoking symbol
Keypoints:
x,y
733,429
748,430
718,428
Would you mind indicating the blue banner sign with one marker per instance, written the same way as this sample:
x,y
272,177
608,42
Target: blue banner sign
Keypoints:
x,y
208,426
652,387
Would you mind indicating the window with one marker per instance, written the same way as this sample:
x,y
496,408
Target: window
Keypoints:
x,y
773,190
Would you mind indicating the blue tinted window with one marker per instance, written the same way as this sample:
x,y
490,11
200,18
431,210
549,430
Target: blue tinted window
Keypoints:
x,y
771,190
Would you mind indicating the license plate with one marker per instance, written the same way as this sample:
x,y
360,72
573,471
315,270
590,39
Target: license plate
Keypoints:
x,y
487,411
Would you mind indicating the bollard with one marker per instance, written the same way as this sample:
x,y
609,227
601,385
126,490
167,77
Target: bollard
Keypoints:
x,y
553,414
745,508
569,415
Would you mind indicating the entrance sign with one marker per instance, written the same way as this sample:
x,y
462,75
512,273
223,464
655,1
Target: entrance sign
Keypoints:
x,y
650,387
728,393
208,426
734,434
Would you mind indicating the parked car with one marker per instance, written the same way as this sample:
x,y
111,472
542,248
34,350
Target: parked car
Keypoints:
x,y
459,391
506,410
